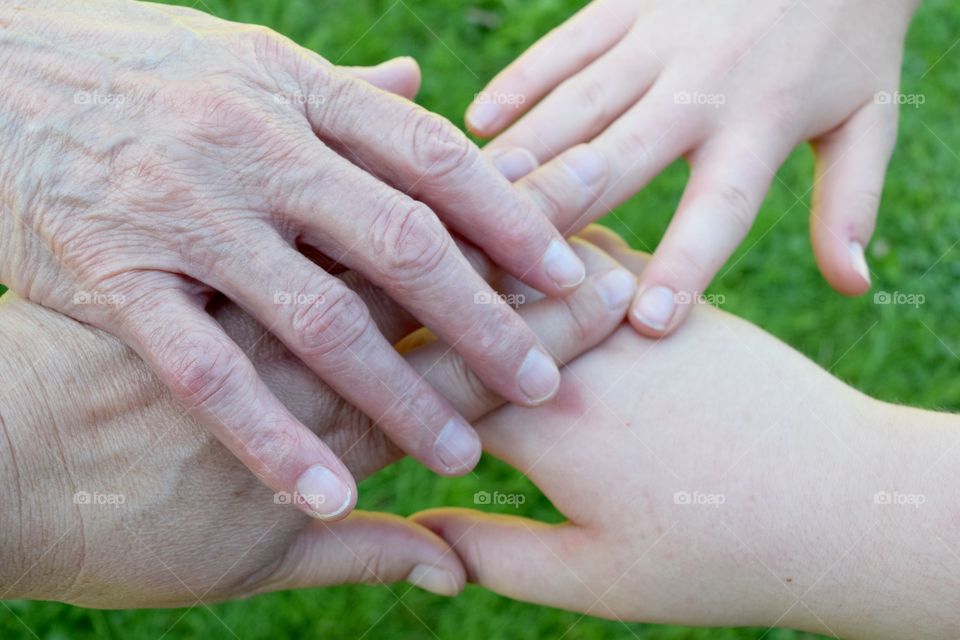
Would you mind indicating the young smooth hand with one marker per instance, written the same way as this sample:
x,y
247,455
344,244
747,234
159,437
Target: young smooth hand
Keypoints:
x,y
719,478
163,155
733,87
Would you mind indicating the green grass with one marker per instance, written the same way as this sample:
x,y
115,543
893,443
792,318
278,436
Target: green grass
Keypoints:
x,y
896,353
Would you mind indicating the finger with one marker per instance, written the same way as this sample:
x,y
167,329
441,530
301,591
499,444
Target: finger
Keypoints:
x,y
727,184
851,166
638,146
585,104
567,187
517,557
567,326
604,238
399,75
513,163
422,154
217,384
374,548
557,56
326,325
399,244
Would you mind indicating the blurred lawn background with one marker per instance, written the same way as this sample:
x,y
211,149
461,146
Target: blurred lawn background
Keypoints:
x,y
897,353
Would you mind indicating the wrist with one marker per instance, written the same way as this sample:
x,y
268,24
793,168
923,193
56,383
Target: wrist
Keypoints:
x,y
884,546
41,536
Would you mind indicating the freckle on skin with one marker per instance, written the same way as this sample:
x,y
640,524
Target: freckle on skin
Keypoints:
x,y
789,580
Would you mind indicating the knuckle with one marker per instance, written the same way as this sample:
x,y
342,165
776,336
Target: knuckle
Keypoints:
x,y
270,449
439,148
410,239
737,207
337,321
198,373
592,96
634,147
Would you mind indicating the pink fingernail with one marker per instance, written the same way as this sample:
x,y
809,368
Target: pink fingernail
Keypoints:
x,y
515,163
859,261
482,115
655,308
457,446
538,377
323,492
563,266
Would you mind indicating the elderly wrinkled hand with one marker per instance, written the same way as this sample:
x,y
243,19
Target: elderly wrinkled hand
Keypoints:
x,y
163,155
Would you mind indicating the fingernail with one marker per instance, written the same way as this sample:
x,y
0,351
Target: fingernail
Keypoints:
x,y
457,446
434,580
859,262
538,377
563,266
616,288
482,115
323,492
655,308
586,164
515,163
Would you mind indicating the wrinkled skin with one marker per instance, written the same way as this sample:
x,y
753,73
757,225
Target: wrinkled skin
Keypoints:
x,y
85,420
153,159
733,87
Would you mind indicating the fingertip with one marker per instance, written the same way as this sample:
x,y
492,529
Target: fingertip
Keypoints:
x,y
514,163
483,116
436,580
846,268
323,494
655,310
458,448
538,378
562,265
615,288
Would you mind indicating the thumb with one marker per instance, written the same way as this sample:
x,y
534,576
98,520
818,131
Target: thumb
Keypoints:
x,y
516,557
399,75
374,548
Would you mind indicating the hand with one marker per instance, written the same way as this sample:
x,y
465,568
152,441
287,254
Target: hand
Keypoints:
x,y
164,155
733,87
120,500
719,478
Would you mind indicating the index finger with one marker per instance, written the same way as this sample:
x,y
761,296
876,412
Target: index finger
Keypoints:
x,y
425,156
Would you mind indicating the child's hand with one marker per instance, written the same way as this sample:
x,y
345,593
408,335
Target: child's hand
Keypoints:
x,y
732,86
720,478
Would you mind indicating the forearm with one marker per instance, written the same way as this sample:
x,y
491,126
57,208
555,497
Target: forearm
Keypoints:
x,y
897,513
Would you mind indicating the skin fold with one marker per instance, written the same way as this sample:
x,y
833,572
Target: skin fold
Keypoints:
x,y
733,87
152,160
